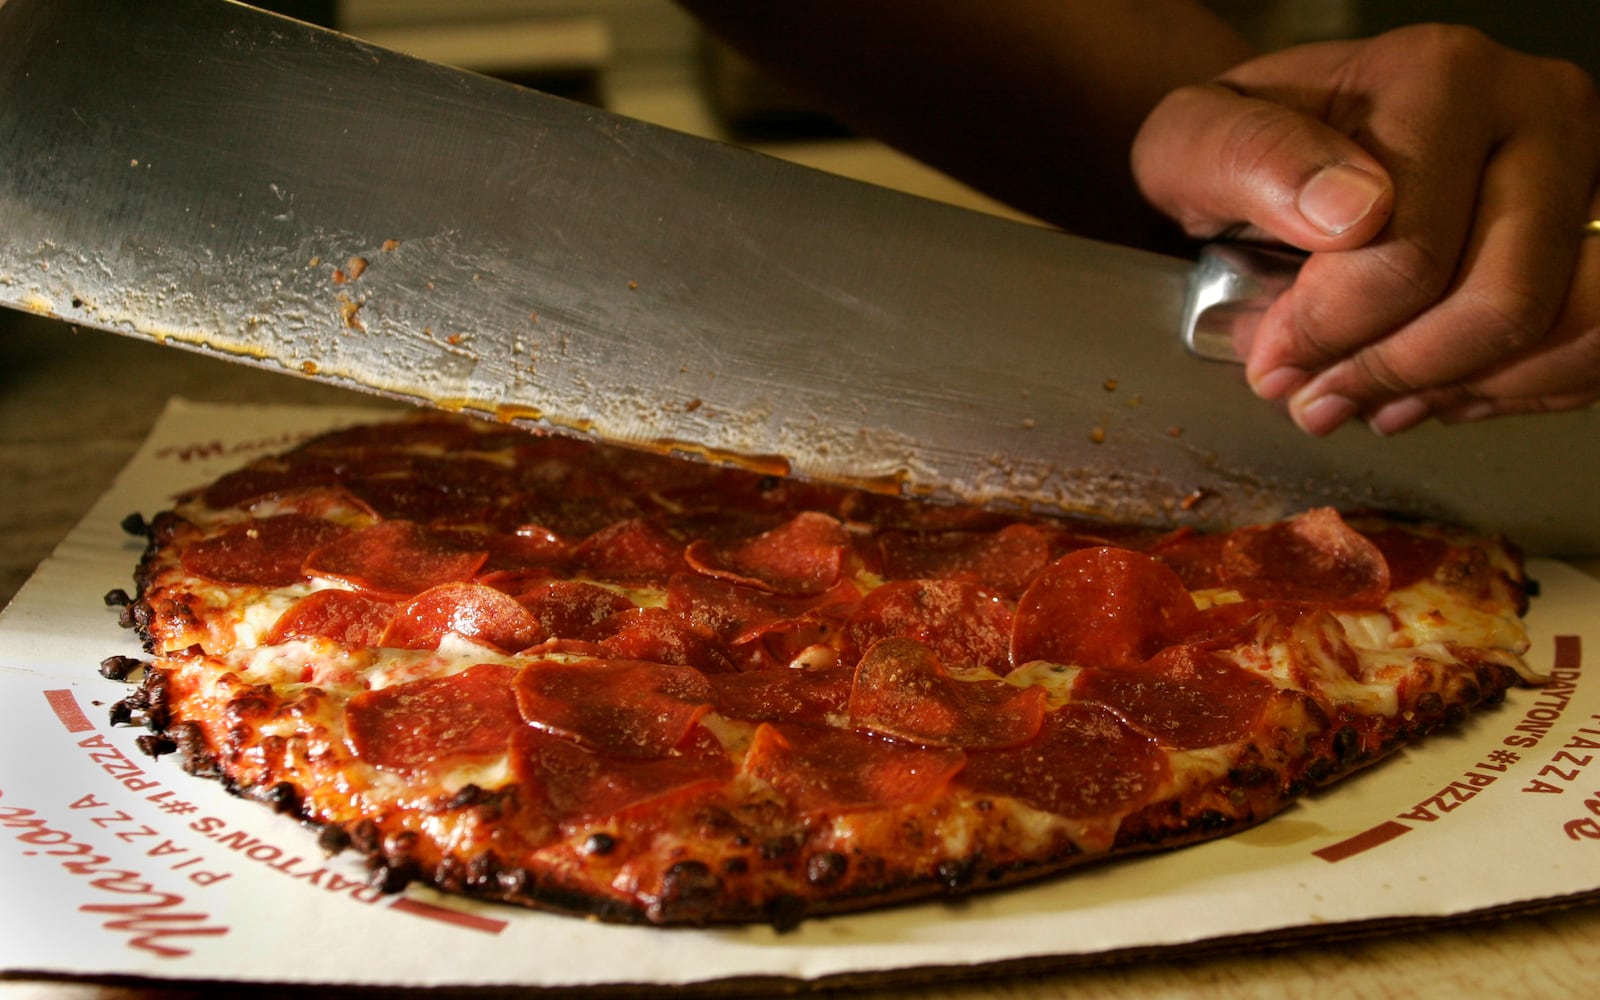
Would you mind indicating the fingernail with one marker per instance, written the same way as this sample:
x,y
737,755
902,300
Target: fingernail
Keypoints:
x,y
1398,415
1325,414
1338,196
1280,382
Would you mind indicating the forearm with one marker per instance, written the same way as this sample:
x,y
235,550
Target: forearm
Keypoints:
x,y
1035,102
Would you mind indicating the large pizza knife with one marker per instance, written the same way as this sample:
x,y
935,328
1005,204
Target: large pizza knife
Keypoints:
x,y
231,181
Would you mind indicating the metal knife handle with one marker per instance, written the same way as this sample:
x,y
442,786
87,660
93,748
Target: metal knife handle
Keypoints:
x,y
1232,286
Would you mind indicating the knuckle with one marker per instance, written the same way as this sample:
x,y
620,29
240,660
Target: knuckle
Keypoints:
x,y
1379,374
1575,87
1317,320
1516,317
1253,137
1397,281
1253,133
1247,146
1456,47
1584,364
1467,56
1562,90
1412,272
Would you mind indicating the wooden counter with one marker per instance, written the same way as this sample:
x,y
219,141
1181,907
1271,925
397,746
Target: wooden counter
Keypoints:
x,y
75,404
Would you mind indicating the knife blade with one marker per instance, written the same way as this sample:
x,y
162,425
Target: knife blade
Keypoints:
x,y
230,181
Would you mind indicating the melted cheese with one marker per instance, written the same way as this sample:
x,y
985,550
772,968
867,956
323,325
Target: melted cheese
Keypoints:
x,y
1419,621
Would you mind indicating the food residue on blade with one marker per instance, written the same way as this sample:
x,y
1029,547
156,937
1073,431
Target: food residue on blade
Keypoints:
x,y
769,465
349,311
508,413
353,269
1194,499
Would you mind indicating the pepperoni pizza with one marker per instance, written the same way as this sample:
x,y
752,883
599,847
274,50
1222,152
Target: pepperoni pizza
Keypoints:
x,y
605,682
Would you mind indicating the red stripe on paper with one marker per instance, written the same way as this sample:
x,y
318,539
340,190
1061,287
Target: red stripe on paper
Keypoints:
x,y
472,921
1364,841
1569,652
66,708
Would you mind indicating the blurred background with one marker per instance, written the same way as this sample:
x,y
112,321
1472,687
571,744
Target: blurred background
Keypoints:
x,y
648,59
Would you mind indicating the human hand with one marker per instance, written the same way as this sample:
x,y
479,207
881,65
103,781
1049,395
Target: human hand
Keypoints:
x,y
1440,183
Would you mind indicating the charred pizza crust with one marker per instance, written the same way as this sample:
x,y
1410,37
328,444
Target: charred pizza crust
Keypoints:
x,y
601,682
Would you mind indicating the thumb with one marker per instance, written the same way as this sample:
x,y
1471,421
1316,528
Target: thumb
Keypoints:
x,y
1220,162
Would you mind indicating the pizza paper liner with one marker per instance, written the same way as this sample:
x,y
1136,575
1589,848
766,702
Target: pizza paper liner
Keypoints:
x,y
117,864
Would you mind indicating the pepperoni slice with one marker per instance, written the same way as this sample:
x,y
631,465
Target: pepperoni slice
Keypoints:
x,y
798,644
394,560
436,490
1230,623
902,690
824,770
1195,557
1313,556
1101,607
887,511
422,428
658,635
256,482
629,708
1186,697
330,503
265,552
578,784
530,548
571,609
471,610
1004,560
808,695
1086,763
340,615
964,625
631,551
716,492
571,514
1410,556
514,581
411,494
739,614
436,721
802,556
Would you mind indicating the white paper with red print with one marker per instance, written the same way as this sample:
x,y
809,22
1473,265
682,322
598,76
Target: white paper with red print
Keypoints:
x,y
116,863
